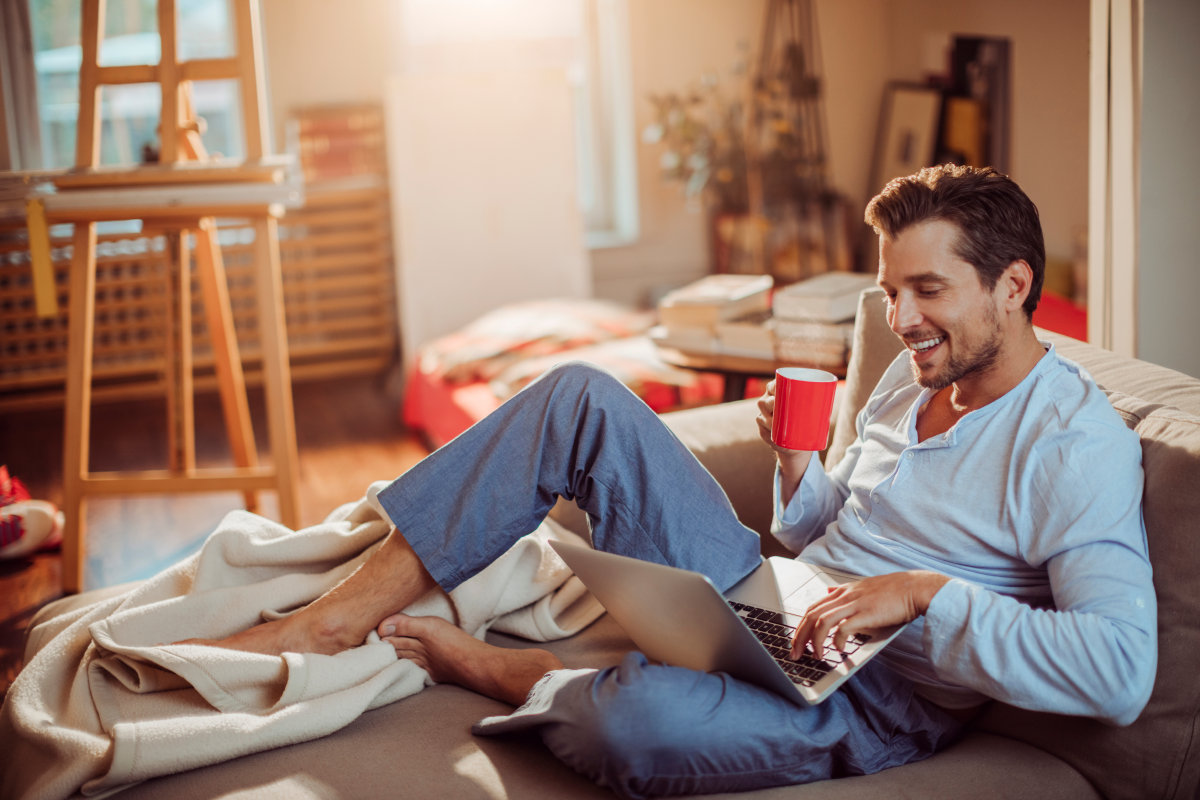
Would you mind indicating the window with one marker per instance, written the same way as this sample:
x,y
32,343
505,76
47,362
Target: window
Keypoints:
x,y
129,113
607,162
41,83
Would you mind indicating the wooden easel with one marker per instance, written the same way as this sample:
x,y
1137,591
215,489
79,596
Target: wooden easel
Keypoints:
x,y
181,170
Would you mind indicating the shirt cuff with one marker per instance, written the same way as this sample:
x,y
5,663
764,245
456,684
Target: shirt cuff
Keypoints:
x,y
946,618
790,515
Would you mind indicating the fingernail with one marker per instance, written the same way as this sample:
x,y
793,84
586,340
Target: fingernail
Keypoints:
x,y
386,631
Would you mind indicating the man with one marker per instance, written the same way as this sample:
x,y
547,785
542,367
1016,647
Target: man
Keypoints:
x,y
992,495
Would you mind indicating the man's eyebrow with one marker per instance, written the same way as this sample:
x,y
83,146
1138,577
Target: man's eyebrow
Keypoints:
x,y
927,277
922,277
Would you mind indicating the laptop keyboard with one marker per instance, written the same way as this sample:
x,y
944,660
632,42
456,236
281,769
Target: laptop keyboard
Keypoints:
x,y
776,634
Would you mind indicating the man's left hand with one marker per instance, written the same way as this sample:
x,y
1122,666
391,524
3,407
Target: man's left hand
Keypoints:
x,y
877,602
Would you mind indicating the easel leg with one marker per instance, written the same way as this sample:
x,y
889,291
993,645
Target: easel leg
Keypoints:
x,y
277,378
77,424
226,358
181,418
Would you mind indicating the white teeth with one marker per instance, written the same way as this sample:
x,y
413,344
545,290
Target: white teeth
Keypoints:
x,y
922,346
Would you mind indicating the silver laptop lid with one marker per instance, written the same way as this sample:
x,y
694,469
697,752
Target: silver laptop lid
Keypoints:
x,y
679,617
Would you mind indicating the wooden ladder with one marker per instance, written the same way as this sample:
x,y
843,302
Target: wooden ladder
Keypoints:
x,y
182,166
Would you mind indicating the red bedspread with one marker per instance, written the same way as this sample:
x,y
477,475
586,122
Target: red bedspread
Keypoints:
x,y
460,378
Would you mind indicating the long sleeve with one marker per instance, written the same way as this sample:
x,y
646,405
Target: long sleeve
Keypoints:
x,y
810,510
1032,506
1095,651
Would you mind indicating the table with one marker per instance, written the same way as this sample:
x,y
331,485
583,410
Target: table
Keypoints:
x,y
736,370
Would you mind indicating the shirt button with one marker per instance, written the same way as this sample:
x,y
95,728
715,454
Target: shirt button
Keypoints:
x,y
908,455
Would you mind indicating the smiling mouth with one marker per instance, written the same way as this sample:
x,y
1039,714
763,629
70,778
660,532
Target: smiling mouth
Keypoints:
x,y
925,345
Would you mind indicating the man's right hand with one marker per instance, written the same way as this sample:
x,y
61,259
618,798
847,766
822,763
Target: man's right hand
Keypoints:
x,y
792,463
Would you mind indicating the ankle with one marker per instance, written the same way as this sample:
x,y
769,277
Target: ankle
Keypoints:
x,y
334,636
519,679
309,632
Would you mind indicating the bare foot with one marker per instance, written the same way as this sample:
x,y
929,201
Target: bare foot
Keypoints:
x,y
451,655
302,632
391,578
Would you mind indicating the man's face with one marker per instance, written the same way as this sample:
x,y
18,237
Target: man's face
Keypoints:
x,y
936,304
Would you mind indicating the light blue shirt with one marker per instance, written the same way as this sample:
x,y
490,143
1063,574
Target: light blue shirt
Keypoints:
x,y
1032,505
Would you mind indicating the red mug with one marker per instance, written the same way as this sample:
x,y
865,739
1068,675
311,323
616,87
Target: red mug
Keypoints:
x,y
803,402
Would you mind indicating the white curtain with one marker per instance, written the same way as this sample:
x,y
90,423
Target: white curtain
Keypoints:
x,y
20,142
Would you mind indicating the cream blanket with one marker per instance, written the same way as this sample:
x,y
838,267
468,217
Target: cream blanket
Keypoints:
x,y
103,703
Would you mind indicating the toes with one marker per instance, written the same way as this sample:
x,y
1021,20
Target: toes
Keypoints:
x,y
390,625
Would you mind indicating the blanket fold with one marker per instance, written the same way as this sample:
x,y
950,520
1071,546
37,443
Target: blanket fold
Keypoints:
x,y
105,701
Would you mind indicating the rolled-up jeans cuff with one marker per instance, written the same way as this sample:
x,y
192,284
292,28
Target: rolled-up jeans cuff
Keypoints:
x,y
537,708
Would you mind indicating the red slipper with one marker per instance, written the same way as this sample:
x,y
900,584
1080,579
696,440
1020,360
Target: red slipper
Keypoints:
x,y
11,489
29,525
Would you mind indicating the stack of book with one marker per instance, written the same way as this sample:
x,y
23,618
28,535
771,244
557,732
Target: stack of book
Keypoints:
x,y
695,317
814,319
749,336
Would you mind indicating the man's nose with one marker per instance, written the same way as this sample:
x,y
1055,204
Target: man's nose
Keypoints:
x,y
905,314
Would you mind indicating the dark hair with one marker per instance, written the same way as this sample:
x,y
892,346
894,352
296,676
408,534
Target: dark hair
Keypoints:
x,y
997,222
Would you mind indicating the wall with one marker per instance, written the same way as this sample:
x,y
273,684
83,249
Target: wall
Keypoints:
x,y
317,52
674,42
1168,280
315,56
864,44
1049,63
481,154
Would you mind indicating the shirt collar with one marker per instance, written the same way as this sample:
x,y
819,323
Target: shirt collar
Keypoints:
x,y
979,415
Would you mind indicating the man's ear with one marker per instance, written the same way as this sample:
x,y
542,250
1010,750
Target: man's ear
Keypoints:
x,y
1015,284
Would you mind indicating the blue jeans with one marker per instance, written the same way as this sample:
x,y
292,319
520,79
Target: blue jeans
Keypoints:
x,y
641,728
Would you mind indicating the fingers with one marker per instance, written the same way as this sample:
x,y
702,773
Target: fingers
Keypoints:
x,y
845,629
766,412
842,613
820,618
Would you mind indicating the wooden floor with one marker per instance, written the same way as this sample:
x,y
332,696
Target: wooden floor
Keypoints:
x,y
348,432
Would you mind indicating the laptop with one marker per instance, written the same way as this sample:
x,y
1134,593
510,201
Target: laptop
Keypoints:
x,y
678,617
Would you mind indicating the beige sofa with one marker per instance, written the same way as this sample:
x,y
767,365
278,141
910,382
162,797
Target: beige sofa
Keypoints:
x,y
421,747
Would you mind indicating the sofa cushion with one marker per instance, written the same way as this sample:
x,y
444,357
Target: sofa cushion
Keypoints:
x,y
1157,756
422,747
1131,376
874,348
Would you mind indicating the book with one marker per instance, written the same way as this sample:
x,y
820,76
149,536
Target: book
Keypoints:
x,y
715,298
825,345
748,336
830,297
689,339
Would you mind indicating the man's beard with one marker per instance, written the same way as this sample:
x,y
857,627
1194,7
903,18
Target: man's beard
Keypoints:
x,y
980,359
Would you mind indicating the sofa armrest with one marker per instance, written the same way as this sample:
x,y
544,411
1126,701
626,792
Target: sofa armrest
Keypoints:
x,y
874,349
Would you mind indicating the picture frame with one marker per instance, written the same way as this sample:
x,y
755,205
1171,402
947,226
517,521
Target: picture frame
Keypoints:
x,y
908,132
